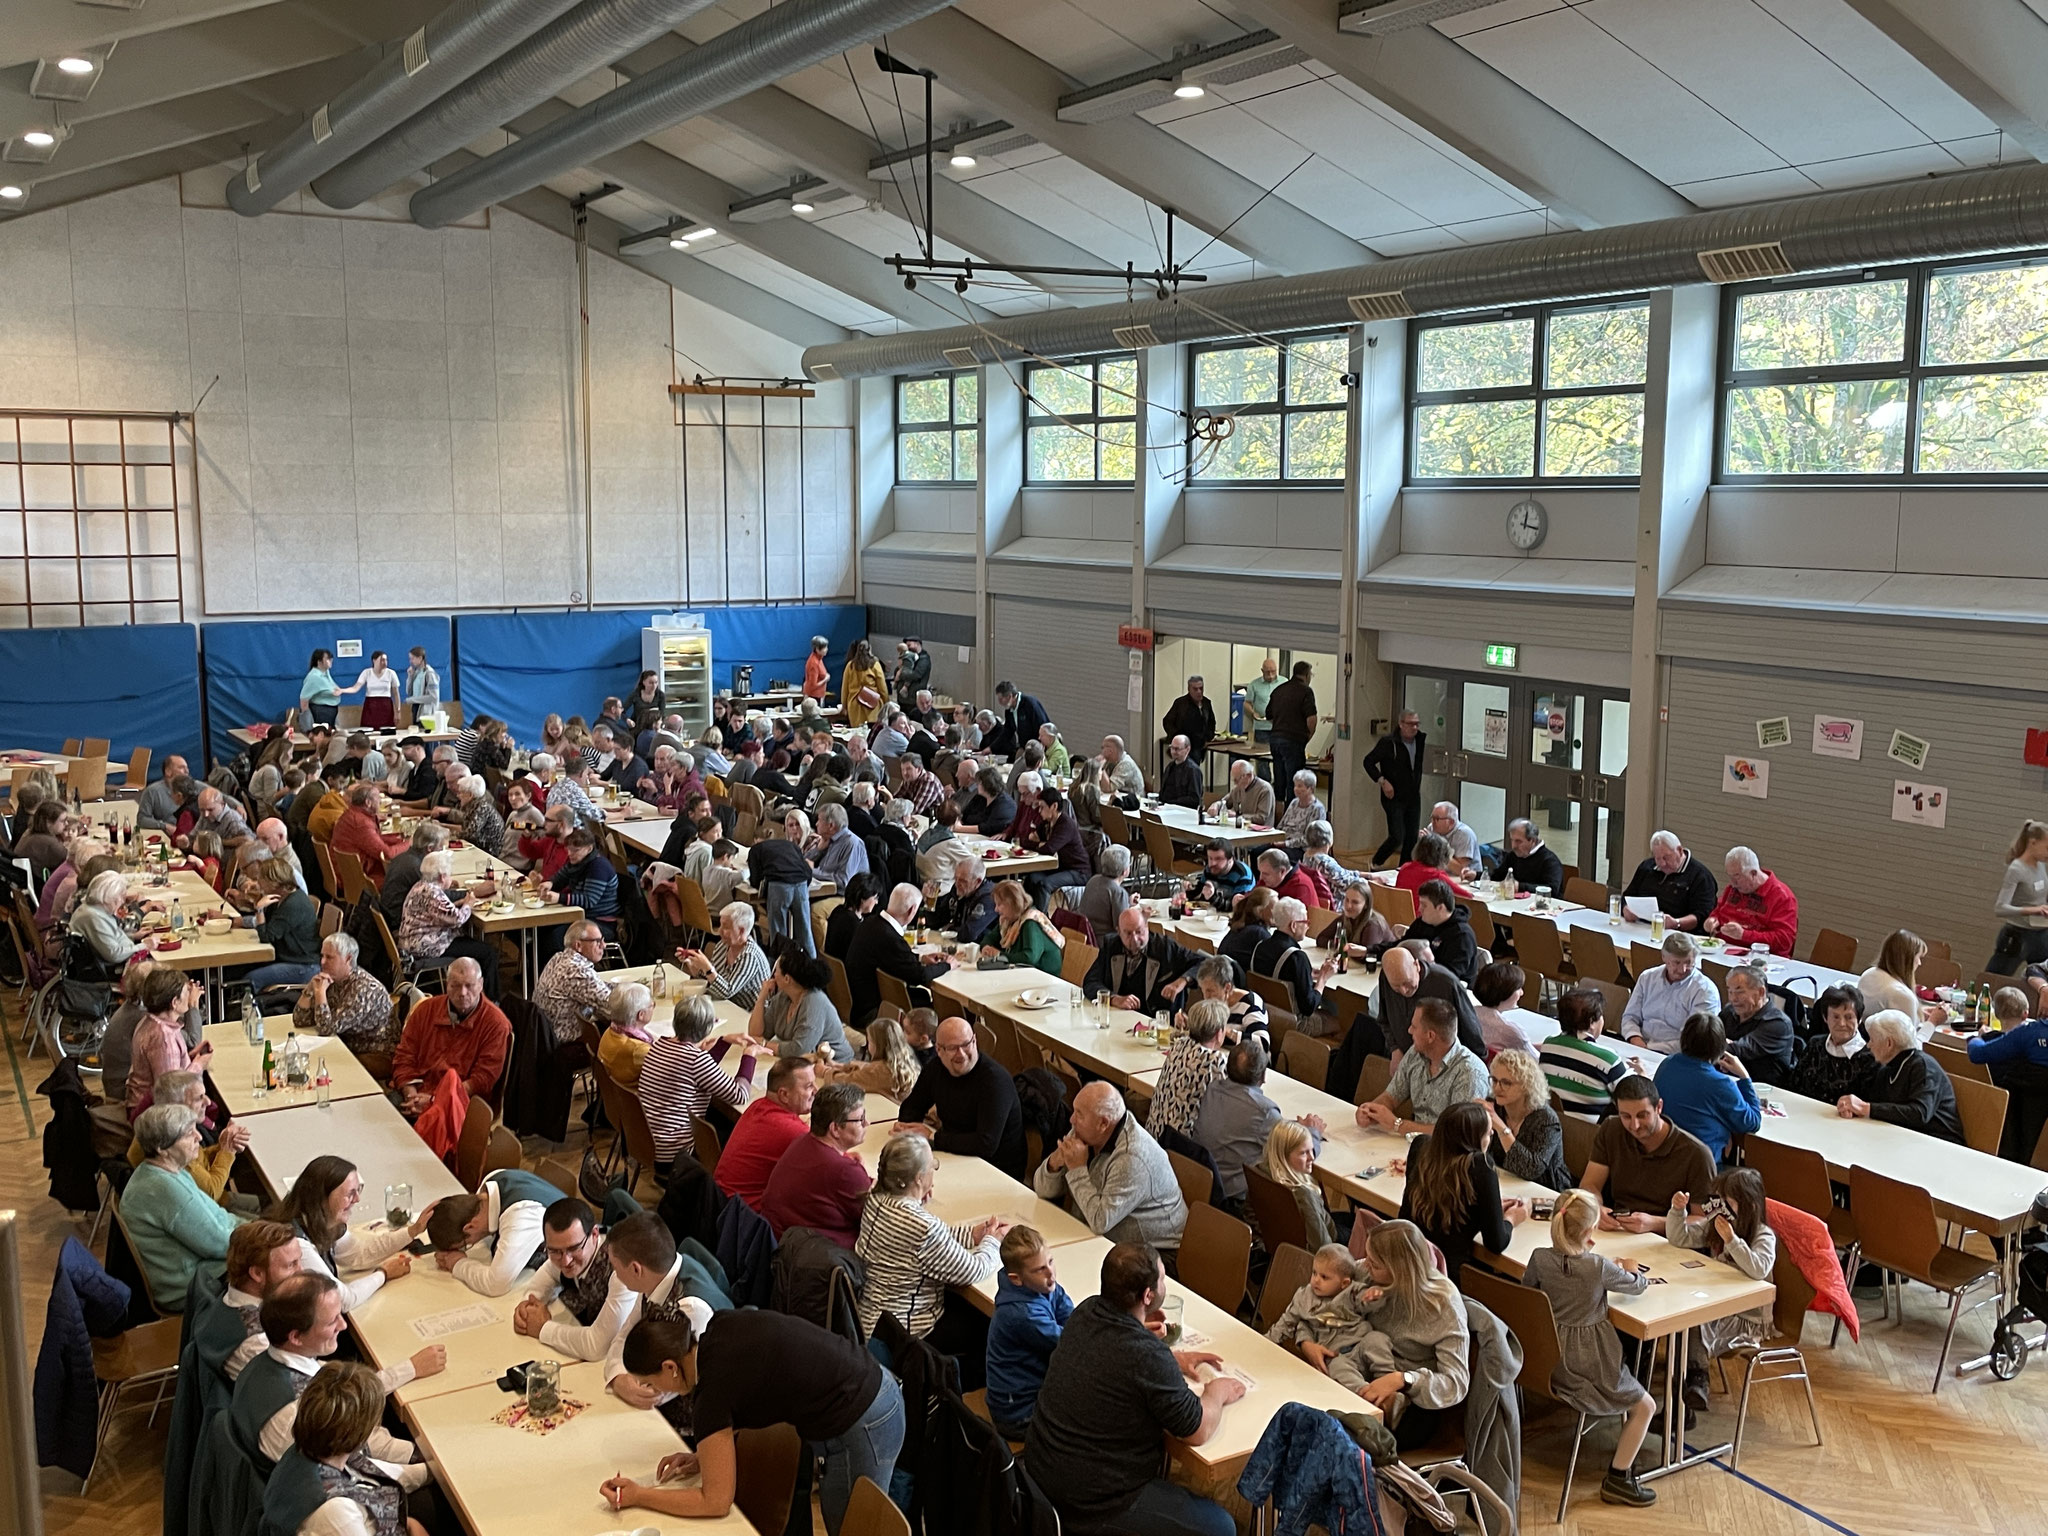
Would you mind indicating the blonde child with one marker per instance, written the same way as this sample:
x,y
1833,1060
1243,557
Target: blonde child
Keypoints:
x,y
1731,1227
1590,1376
1289,1160
1326,1321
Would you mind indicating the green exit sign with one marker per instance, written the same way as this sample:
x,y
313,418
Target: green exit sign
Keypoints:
x,y
1506,658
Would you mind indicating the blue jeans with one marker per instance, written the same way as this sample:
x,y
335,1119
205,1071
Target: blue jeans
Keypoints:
x,y
868,1450
1167,1509
789,912
279,973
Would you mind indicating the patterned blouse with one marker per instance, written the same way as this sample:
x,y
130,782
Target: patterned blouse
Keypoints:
x,y
430,921
482,825
1183,1082
1295,820
357,1009
568,987
738,977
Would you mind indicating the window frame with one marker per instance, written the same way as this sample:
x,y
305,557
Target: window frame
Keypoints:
x,y
1538,391
1919,279
950,426
1091,421
1278,406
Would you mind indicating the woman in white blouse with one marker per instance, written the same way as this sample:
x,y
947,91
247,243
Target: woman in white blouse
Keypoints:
x,y
379,686
914,1259
1894,981
318,1207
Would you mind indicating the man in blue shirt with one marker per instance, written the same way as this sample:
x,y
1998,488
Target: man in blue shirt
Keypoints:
x,y
1707,1090
843,855
1222,878
1667,996
1031,1309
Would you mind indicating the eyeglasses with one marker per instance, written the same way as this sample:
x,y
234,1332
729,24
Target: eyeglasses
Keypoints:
x,y
859,1119
556,1255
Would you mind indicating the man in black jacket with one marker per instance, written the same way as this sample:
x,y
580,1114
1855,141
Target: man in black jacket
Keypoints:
x,y
1291,712
879,947
1684,887
1396,762
968,906
967,1104
1405,979
1018,717
1442,924
1759,1033
913,671
1180,780
1193,716
1529,860
1142,970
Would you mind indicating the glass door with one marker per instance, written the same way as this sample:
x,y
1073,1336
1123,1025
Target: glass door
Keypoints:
x,y
1502,748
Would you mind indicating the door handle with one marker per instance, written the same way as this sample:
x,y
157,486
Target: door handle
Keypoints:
x,y
1575,785
1600,790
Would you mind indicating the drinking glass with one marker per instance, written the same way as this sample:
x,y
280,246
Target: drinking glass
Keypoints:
x,y
544,1387
1172,1308
398,1204
259,1085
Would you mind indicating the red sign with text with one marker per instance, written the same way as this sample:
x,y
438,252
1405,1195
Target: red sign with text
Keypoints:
x,y
1132,638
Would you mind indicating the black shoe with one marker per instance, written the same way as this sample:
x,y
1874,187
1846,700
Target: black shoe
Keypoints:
x,y
1622,1486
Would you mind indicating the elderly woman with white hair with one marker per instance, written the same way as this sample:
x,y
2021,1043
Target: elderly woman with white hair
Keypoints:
x,y
434,920
735,970
346,1001
623,1048
1280,955
174,1226
914,1259
481,823
97,918
1104,897
1317,839
1303,811
1908,1087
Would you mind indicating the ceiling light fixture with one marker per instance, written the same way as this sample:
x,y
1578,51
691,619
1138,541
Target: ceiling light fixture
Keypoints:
x,y
1187,90
12,194
962,161
41,138
73,64
678,243
701,232
800,206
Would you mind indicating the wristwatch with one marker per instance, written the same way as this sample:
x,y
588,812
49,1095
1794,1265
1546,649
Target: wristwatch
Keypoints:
x,y
1407,1381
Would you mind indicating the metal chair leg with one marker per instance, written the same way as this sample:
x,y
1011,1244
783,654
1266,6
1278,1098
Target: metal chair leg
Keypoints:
x,y
110,1400
1955,1309
1742,1415
1572,1466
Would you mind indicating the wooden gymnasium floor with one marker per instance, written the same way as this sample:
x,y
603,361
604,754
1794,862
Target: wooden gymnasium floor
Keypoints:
x,y
1896,1462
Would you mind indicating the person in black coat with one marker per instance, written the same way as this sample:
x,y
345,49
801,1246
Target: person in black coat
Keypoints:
x,y
1405,980
1530,860
1445,926
1140,969
1684,887
879,947
1395,761
913,671
1018,717
992,807
1193,716
1908,1087
1759,1033
864,893
968,906
1180,779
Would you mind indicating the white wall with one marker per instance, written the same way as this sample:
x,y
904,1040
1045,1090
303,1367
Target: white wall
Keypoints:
x,y
396,423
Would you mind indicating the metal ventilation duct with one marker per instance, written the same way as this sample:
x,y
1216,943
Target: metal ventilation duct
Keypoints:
x,y
449,49
1972,213
743,59
593,35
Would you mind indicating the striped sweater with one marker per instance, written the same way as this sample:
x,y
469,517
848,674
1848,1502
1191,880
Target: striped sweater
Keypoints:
x,y
912,1257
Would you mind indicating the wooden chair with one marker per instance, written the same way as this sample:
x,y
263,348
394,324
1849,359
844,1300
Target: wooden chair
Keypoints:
x,y
1305,1059
1643,957
1197,1184
1116,826
1939,949
1394,904
1373,1076
1482,925
143,1356
71,746
1779,1357
869,1513
1319,918
1347,1006
1277,1217
1526,1313
750,811
697,914
1939,973
1594,956
1289,1271
1005,1048
1955,1061
1271,990
765,1468
1160,848
1614,998
1716,971
348,868
1902,1238
474,1142
1578,1134
1585,893
1076,959
1836,951
705,1142
1982,1108
1215,1256
838,988
452,708
1798,1176
327,874
984,1038
87,778
138,770
504,1150
1200,941
1541,951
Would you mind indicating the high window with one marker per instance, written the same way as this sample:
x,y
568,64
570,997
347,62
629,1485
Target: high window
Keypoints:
x,y
1935,372
1080,422
937,426
1288,407
1546,393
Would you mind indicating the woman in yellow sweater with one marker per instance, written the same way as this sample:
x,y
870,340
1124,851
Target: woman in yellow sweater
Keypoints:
x,y
863,671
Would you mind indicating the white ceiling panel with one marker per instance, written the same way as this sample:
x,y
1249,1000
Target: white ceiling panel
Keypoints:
x,y
1750,187
1496,16
1091,43
1901,81
1885,165
785,282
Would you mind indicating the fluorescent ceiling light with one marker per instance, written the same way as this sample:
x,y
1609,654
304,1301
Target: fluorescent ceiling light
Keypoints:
x,y
41,138
701,232
678,243
962,161
73,64
1189,91
801,206
12,194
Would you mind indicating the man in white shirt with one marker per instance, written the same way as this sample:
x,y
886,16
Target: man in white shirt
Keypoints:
x,y
645,1261
508,1211
1462,840
579,1274
1121,776
1667,996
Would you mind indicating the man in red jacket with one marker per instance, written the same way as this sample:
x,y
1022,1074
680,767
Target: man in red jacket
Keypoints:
x,y
459,1031
1756,907
1288,878
819,1182
358,832
768,1128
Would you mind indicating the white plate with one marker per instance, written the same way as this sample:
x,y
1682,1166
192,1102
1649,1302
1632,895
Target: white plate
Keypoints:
x,y
1036,1000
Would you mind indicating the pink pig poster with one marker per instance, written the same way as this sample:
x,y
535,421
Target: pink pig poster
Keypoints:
x,y
1834,736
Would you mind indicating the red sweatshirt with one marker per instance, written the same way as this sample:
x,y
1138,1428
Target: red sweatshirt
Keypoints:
x,y
1770,917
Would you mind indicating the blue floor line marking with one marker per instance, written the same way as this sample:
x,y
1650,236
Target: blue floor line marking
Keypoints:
x,y
1782,1498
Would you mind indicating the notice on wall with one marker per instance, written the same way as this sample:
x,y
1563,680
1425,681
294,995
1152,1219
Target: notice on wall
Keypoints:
x,y
1493,733
966,655
1924,805
1910,750
1834,736
1749,776
344,649
1136,703
1774,733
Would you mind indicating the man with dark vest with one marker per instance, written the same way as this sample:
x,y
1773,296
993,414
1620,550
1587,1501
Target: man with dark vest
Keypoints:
x,y
328,1484
645,1260
227,1329
578,1273
303,1319
507,1213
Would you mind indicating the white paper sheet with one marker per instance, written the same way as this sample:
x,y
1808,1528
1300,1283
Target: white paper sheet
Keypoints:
x,y
439,1325
1644,907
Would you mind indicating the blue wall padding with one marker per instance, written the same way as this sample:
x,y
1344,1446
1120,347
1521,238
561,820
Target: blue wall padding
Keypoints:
x,y
137,684
253,670
520,667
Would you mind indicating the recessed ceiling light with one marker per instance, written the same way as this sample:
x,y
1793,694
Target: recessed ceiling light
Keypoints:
x,y
12,194
678,243
1189,91
802,207
72,64
962,161
41,138
701,232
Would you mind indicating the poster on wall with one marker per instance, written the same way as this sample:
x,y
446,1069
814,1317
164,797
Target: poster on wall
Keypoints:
x,y
1924,805
1910,750
1774,733
1834,736
1749,776
1493,734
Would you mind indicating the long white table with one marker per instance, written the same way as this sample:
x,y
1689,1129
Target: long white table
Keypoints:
x,y
369,1132
480,1344
967,1189
235,1064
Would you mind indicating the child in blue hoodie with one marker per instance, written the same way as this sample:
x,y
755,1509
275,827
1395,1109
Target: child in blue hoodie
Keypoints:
x,y
1031,1309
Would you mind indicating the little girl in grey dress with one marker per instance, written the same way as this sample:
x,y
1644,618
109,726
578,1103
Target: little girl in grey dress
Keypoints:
x,y
1590,1376
1732,1228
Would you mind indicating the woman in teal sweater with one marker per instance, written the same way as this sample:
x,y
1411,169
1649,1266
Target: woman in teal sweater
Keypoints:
x,y
170,1220
319,694
1023,935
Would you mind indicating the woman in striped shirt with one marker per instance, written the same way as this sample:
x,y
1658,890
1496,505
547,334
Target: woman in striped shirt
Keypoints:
x,y
735,969
679,1079
913,1257
1581,1069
